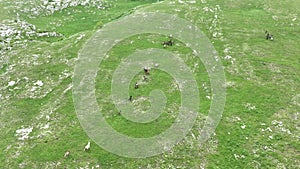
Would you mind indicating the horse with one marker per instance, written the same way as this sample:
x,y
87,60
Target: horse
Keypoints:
x,y
269,36
168,43
146,71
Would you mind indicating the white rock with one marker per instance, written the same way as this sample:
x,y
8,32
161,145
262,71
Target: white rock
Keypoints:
x,y
39,83
46,126
229,84
227,57
67,153
11,83
88,146
275,17
237,118
23,133
33,89
215,34
181,2
80,37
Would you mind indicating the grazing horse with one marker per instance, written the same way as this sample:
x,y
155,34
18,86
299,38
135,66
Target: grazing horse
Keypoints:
x,y
136,86
145,78
146,71
269,36
168,43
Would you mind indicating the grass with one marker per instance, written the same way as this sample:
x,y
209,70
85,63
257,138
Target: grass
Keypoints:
x,y
264,75
157,80
82,18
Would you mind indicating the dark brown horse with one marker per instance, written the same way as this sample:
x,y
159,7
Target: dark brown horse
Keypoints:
x,y
269,36
170,42
146,71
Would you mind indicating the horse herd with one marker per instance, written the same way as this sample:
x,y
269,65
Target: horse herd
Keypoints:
x,y
165,44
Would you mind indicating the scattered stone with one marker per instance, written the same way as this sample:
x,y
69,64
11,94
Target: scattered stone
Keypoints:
x,y
67,153
11,83
249,106
23,133
39,83
26,79
47,7
87,147
269,129
227,57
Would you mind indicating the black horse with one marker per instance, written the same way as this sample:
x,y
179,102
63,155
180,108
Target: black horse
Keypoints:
x,y
269,36
146,71
136,86
170,42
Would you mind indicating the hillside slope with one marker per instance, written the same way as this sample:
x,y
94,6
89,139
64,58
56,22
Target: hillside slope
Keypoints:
x,y
260,123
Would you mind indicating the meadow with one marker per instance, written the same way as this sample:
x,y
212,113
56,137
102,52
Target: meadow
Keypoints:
x,y
39,46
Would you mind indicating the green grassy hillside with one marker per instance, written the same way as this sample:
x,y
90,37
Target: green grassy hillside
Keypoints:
x,y
260,124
